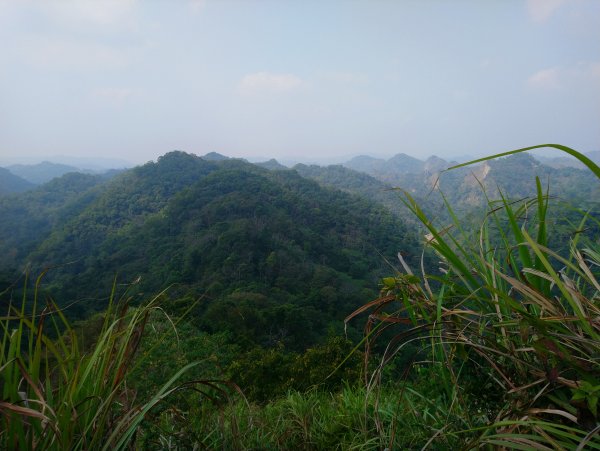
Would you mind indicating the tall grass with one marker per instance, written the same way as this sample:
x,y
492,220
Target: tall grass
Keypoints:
x,y
511,326
56,395
318,420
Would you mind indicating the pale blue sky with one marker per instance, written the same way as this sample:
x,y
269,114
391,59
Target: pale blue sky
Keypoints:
x,y
297,80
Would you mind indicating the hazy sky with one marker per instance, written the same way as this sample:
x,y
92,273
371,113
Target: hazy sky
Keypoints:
x,y
297,79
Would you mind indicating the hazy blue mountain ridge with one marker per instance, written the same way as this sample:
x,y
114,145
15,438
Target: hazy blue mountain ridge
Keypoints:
x,y
42,172
513,175
11,183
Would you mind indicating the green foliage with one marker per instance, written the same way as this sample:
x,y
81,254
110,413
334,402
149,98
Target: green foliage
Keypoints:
x,y
279,258
263,374
508,315
304,421
28,219
266,374
55,395
462,186
328,366
350,418
503,340
589,393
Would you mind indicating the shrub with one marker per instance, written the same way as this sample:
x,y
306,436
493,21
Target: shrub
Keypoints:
x,y
512,327
56,395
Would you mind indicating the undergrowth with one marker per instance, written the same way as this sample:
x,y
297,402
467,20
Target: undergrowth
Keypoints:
x,y
512,328
509,333
58,394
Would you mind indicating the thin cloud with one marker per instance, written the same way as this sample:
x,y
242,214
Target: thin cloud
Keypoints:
x,y
268,82
541,10
545,79
582,73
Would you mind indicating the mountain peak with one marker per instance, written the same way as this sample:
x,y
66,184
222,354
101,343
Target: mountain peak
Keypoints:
x,y
214,156
272,165
365,163
363,159
405,163
435,164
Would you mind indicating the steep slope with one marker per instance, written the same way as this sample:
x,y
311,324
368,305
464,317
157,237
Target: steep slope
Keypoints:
x,y
27,219
126,201
354,182
66,218
11,183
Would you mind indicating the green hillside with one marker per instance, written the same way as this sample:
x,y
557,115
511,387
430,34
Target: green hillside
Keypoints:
x,y
246,237
27,219
11,183
260,281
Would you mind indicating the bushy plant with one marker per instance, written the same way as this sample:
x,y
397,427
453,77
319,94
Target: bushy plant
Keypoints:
x,y
512,326
59,394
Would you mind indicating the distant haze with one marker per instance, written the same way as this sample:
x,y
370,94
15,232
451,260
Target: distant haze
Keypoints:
x,y
311,81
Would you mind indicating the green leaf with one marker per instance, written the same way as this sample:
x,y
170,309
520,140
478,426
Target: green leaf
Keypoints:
x,y
389,282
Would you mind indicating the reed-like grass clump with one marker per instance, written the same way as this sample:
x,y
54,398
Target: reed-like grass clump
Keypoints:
x,y
504,342
59,394
511,326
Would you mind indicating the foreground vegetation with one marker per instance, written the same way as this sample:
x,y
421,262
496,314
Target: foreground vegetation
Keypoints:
x,y
58,395
509,322
499,348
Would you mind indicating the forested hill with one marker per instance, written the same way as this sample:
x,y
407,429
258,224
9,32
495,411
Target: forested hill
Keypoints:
x,y
27,219
11,183
355,182
252,240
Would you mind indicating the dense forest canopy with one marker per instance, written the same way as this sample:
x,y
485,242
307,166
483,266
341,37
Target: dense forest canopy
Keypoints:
x,y
258,265
295,256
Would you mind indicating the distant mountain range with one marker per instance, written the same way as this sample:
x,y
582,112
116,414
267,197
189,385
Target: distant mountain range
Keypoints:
x,y
42,172
11,183
398,164
374,177
402,163
513,176
378,179
17,178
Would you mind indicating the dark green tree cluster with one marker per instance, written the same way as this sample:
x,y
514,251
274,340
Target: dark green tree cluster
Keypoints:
x,y
276,260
